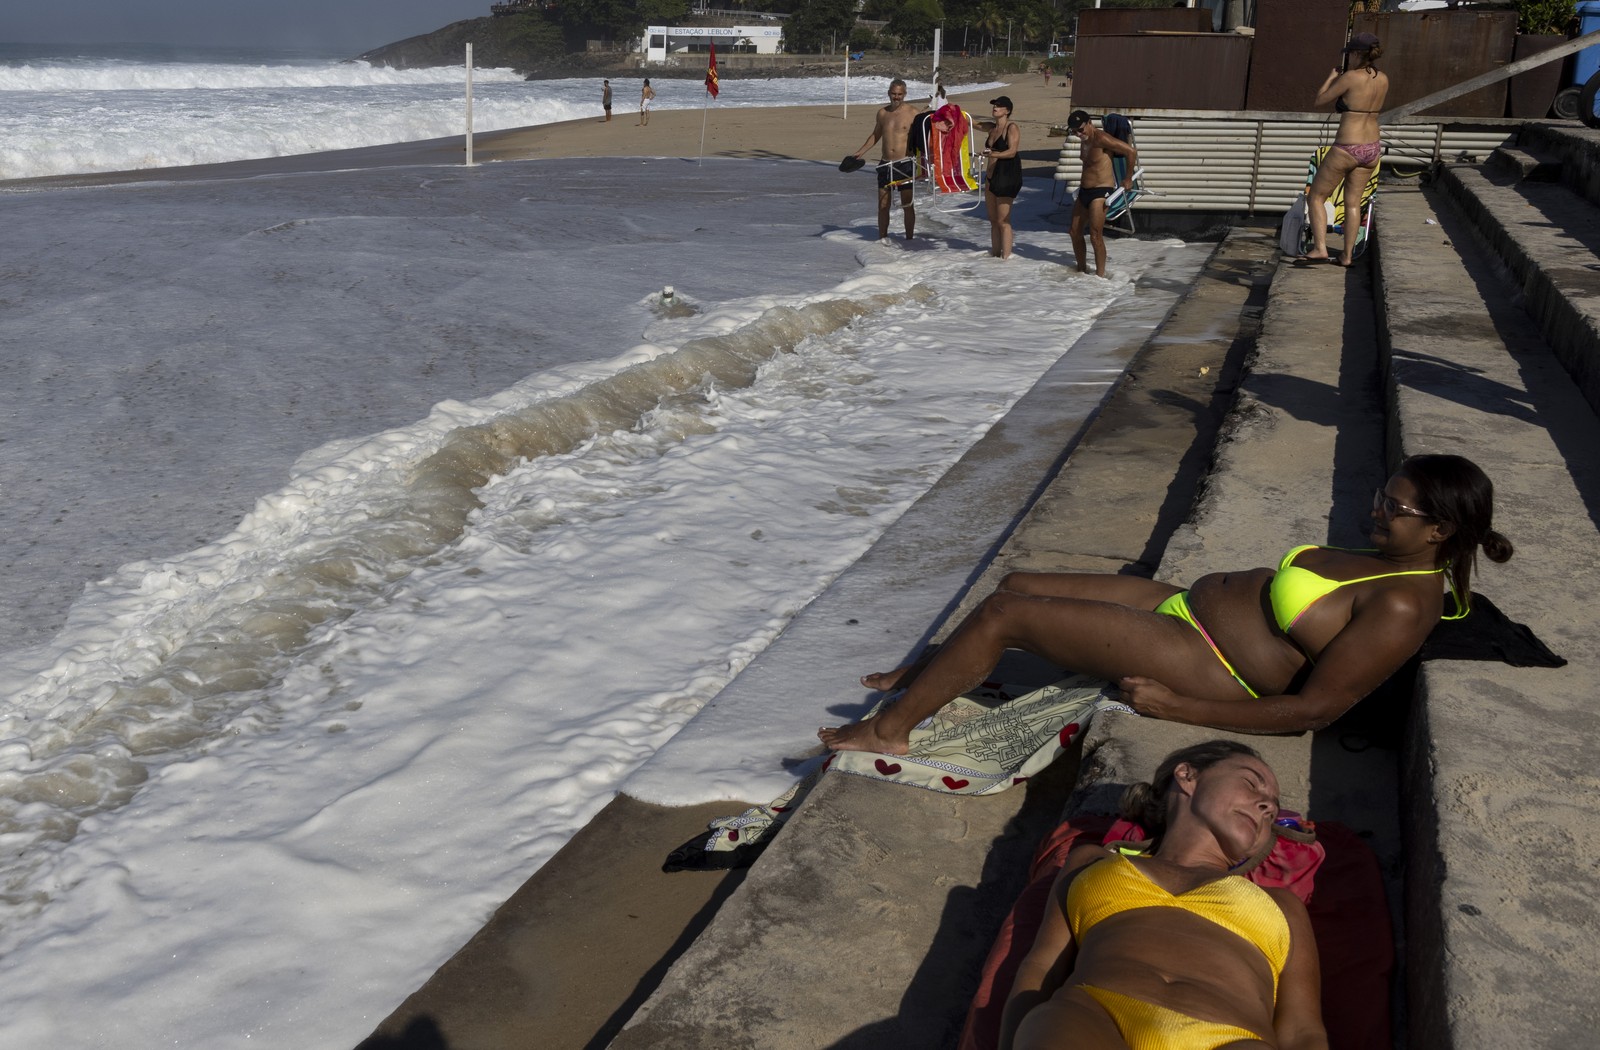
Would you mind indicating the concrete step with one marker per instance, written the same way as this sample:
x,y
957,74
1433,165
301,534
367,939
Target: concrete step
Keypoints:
x,y
866,922
1501,839
1574,147
1524,164
1548,239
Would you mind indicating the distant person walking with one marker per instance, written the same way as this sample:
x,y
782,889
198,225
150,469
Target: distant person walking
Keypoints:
x,y
646,94
1096,184
1357,95
893,128
1004,179
605,98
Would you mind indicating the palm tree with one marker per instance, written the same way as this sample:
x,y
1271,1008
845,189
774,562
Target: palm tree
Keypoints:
x,y
991,20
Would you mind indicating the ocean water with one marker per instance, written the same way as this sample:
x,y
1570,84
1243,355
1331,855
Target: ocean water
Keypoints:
x,y
364,531
87,109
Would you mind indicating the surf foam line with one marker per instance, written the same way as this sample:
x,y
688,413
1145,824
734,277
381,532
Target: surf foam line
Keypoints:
x,y
166,656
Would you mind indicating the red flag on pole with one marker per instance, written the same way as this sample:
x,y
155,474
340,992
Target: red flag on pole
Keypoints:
x,y
711,72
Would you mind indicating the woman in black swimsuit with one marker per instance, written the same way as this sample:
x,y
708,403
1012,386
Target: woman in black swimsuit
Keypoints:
x,y
1005,175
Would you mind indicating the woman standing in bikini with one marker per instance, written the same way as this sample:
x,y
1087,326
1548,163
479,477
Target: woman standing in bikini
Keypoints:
x,y
1260,651
1358,96
1173,948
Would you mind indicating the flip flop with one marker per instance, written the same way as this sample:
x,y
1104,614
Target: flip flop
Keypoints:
x,y
852,163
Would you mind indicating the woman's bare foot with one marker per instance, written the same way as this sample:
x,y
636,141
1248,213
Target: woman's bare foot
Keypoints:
x,y
884,681
862,736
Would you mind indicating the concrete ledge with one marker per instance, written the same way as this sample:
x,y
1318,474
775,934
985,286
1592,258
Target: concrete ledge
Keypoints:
x,y
1502,843
1577,148
866,922
1548,238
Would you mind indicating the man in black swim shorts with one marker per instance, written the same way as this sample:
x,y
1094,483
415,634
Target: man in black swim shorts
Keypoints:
x,y
893,128
1097,183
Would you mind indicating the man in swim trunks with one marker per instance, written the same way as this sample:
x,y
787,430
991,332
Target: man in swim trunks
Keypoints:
x,y
898,168
1096,184
605,98
647,94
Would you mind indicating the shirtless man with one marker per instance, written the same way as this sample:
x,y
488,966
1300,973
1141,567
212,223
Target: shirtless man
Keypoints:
x,y
893,127
1096,184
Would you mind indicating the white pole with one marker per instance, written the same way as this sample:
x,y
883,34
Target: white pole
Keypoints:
x,y
847,83
938,44
469,105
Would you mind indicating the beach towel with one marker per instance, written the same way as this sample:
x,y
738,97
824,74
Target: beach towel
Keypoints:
x,y
1349,916
988,740
949,150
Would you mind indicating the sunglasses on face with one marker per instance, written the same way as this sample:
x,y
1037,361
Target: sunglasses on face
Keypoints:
x,y
1390,507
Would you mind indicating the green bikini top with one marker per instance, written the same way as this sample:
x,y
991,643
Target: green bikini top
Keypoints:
x,y
1294,590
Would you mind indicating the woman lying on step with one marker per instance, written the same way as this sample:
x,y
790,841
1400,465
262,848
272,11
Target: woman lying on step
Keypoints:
x,y
1259,651
1173,948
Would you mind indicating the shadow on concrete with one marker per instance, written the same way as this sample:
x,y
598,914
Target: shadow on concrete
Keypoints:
x,y
933,1009
652,977
421,1034
1568,430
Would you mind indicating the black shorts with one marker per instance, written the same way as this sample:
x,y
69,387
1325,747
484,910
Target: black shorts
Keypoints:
x,y
903,170
1087,195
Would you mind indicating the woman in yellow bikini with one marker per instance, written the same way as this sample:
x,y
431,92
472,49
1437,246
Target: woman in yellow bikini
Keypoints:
x,y
1260,651
1358,96
1171,950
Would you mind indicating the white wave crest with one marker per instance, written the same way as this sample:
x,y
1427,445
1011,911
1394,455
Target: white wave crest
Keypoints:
x,y
179,76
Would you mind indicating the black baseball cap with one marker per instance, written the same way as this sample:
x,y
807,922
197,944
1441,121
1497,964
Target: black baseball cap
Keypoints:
x,y
1362,42
1003,100
1078,119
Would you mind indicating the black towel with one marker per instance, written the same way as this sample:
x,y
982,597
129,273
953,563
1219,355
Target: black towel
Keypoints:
x,y
1486,633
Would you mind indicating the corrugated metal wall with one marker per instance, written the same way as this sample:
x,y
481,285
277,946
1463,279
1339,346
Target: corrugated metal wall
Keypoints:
x,y
1259,165
1188,70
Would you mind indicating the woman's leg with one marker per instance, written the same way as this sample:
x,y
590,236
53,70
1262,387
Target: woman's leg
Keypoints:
x,y
1001,223
1099,638
1355,184
1136,592
992,204
1335,163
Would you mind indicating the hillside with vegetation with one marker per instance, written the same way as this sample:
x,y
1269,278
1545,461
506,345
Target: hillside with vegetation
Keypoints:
x,y
551,36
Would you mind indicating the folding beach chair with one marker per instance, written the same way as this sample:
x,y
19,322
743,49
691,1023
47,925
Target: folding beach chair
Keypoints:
x,y
1334,211
955,165
1119,206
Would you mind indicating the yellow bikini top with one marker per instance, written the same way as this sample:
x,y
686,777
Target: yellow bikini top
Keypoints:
x,y
1115,885
1294,590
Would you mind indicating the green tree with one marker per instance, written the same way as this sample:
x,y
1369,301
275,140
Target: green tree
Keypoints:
x,y
915,22
621,18
1545,16
819,25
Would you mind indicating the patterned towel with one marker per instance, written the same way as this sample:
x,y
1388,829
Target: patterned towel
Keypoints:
x,y
984,741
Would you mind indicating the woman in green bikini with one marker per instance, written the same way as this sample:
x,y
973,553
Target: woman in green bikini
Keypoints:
x,y
1261,651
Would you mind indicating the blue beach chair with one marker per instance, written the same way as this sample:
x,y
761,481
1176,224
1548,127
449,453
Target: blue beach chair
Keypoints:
x,y
1119,206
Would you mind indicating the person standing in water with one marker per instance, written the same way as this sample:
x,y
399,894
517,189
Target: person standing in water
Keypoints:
x,y
605,99
892,127
1096,184
1004,181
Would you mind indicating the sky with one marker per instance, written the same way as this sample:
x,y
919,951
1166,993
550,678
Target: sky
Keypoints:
x,y
340,25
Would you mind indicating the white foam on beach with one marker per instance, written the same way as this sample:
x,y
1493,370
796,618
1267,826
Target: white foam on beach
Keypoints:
x,y
63,117
255,793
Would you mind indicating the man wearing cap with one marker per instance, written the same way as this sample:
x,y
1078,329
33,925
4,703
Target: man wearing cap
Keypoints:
x,y
893,128
1095,150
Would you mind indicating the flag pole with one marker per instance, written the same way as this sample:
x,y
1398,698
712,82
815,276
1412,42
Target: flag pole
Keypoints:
x,y
712,85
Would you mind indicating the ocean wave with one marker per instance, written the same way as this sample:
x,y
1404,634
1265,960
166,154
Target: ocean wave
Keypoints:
x,y
182,76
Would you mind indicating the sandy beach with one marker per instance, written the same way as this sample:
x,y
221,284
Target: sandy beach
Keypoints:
x,y
798,133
